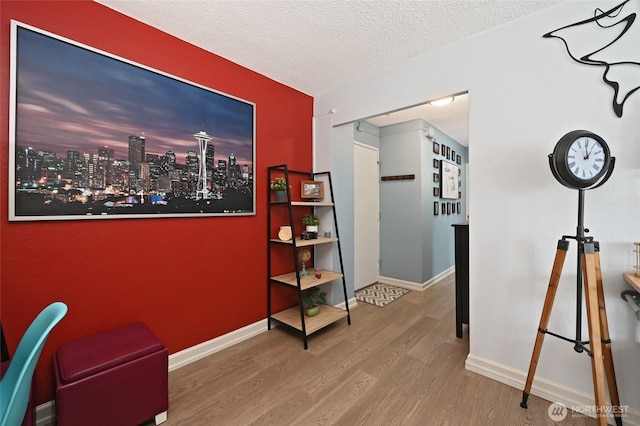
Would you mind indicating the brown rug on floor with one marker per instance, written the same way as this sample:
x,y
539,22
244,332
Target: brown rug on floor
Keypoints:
x,y
380,294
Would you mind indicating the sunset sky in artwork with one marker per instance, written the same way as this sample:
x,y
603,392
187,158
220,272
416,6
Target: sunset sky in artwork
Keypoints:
x,y
72,98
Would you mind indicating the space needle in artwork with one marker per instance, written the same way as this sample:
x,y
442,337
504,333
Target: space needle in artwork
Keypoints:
x,y
202,193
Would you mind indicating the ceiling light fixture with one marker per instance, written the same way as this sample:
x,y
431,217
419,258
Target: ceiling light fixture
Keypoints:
x,y
442,101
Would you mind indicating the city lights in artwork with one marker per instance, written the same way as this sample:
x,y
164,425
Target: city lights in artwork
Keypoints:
x,y
97,135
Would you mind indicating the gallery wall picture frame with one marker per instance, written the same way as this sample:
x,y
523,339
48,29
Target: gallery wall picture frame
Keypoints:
x,y
311,189
436,208
436,163
448,208
436,191
443,150
436,147
436,177
96,136
449,183
458,159
444,207
458,208
448,153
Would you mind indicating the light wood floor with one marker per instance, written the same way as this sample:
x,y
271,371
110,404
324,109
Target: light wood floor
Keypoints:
x,y
397,365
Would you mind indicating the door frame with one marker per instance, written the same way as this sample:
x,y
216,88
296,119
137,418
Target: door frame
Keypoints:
x,y
375,188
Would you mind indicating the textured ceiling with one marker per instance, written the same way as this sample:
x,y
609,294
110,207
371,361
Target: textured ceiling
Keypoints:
x,y
314,46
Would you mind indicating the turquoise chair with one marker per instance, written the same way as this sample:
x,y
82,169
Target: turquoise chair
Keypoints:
x,y
16,383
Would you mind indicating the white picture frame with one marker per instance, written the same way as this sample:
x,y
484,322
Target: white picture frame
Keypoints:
x,y
449,184
96,136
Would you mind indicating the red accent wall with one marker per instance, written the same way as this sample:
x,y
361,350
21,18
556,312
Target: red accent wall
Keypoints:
x,y
189,279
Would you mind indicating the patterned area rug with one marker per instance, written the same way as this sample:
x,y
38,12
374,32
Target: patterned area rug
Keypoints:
x,y
380,294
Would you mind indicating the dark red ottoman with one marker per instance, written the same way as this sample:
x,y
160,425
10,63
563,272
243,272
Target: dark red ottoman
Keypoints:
x,y
119,377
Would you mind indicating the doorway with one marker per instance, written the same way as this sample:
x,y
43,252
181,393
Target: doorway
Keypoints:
x,y
366,213
451,121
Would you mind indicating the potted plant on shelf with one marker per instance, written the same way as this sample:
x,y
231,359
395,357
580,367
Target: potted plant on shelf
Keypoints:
x,y
311,221
311,300
279,185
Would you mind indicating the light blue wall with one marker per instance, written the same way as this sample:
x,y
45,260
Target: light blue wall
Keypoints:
x,y
415,245
442,248
401,215
367,133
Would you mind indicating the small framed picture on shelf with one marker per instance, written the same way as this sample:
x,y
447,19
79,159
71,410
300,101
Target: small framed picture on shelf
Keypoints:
x,y
436,147
312,189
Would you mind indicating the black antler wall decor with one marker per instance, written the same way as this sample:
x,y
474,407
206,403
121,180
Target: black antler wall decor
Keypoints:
x,y
591,42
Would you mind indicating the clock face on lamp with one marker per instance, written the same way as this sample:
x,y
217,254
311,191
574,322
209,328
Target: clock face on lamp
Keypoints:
x,y
586,158
580,159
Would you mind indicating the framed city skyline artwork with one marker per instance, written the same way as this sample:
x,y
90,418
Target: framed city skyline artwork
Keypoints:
x,y
93,135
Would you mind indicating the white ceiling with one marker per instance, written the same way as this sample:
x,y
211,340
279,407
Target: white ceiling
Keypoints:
x,y
317,45
452,119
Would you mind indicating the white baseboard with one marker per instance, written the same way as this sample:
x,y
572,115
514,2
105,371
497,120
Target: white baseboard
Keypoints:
x,y
204,349
353,302
410,285
45,413
543,388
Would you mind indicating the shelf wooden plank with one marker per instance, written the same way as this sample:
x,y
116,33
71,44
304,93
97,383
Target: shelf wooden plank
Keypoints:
x,y
307,282
632,280
312,203
327,316
301,243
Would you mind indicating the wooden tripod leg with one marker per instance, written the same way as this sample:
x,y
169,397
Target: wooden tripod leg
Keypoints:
x,y
595,338
558,263
606,342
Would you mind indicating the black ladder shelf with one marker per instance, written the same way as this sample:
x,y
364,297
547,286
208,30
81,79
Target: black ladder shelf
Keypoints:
x,y
294,317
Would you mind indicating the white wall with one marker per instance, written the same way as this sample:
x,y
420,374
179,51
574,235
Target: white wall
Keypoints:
x,y
525,93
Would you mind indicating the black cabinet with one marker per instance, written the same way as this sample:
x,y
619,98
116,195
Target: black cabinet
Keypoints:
x,y
461,231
